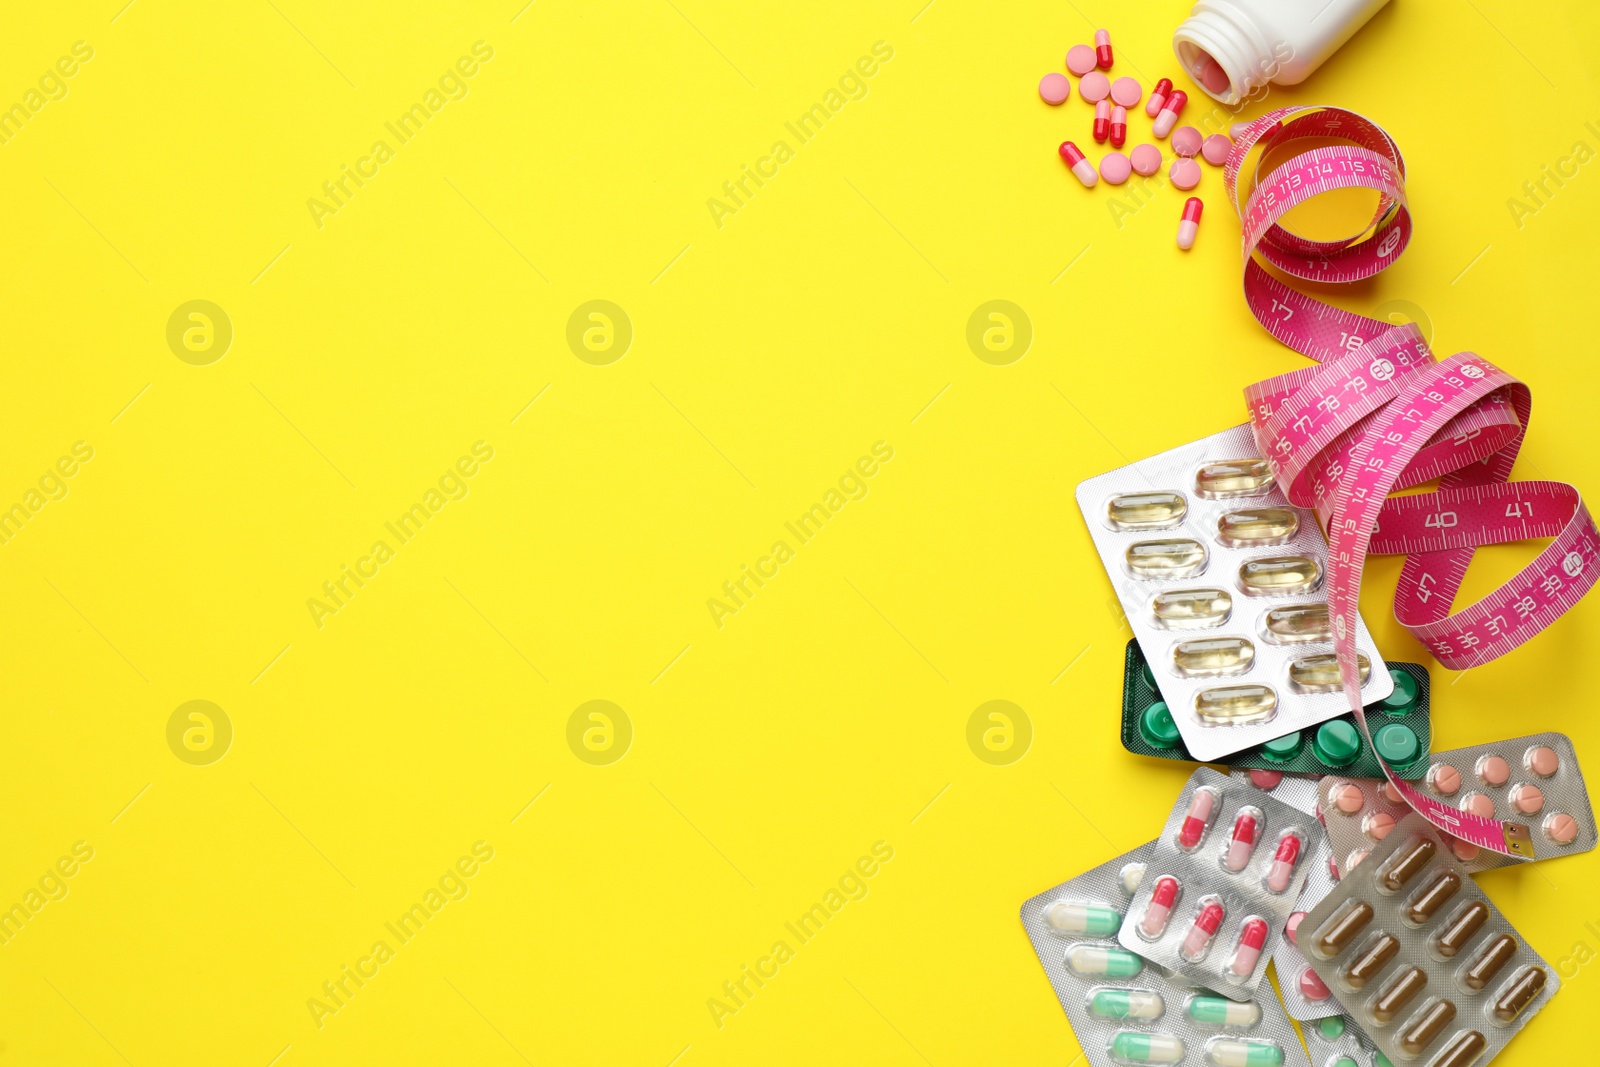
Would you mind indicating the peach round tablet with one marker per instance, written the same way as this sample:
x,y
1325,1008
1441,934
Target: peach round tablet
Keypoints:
x,y
1261,779
1346,797
1186,141
1527,798
1540,759
1391,793
1146,159
1561,828
1493,770
1126,91
1115,168
1378,825
1465,851
1054,88
1444,779
1094,87
1185,174
1478,804
1080,59
1354,858
1216,148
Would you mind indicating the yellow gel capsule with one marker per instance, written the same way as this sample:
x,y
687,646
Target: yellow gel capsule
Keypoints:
x,y
1279,576
1233,477
1214,655
1235,705
1191,609
1298,625
1147,511
1258,526
1320,674
1175,558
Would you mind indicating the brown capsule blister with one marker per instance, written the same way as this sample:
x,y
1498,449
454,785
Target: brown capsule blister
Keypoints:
x,y
1403,866
1433,896
1463,1052
1429,1025
1466,922
1520,995
1365,969
1486,966
1342,928
1401,991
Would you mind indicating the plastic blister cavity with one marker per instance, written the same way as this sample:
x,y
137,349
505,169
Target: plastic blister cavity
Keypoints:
x,y
1222,581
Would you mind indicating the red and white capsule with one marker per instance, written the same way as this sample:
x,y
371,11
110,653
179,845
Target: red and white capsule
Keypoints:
x,y
1119,126
1158,96
1252,936
1188,227
1167,117
1156,913
1203,929
1244,842
1102,49
1102,121
1082,169
1282,870
1197,818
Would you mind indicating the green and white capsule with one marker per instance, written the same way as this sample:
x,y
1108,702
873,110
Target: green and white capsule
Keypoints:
x,y
1146,1048
1230,1052
1220,1011
1097,960
1065,917
1127,1004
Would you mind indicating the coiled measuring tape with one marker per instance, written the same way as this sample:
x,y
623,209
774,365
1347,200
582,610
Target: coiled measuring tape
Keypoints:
x,y
1380,414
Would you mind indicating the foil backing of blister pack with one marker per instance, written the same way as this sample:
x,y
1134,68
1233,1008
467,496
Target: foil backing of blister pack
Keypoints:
x,y
1336,1041
1244,907
1418,956
1207,1029
1236,723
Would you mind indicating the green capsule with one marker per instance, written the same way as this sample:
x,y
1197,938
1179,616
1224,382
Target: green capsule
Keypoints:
x,y
1219,1011
1065,917
1127,1004
1097,960
1146,1048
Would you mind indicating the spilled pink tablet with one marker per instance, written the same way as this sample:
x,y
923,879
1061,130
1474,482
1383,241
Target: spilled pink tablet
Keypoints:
x,y
1185,174
1054,88
1094,87
1115,168
1080,59
1126,91
1146,159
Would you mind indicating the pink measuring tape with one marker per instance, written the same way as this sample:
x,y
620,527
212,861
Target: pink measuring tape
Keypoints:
x,y
1379,414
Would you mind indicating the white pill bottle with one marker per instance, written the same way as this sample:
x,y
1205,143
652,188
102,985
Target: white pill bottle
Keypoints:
x,y
1234,48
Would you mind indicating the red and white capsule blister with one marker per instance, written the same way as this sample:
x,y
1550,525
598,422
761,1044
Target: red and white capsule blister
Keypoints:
x,y
1102,49
1202,930
1201,807
1281,873
1158,96
1082,169
1167,117
1159,910
1102,121
1189,225
1243,843
1119,126
1252,936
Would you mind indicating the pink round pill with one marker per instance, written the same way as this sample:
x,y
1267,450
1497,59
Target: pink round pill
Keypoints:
x,y
1216,149
1527,798
1115,168
1186,141
1478,804
1465,851
1354,858
1185,174
1561,828
1126,91
1444,779
1346,797
1541,760
1392,794
1263,779
1312,987
1378,825
1094,87
1054,88
1493,770
1080,59
1146,159
1291,929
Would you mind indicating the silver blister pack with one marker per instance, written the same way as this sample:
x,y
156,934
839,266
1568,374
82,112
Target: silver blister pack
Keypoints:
x,y
1420,958
1222,581
1125,1010
1336,1041
1222,881
1534,780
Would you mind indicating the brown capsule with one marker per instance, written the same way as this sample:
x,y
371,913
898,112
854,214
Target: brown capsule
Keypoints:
x,y
1429,1025
1486,966
1401,991
1372,961
1340,930
1463,1052
1404,864
1462,927
1433,896
1520,995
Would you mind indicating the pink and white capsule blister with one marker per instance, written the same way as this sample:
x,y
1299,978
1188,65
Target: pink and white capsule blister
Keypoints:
x,y
1156,913
1281,873
1201,807
1202,930
1167,117
1082,169
1245,827
1252,936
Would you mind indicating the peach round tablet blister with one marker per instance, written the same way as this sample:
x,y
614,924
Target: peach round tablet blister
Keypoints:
x,y
1494,771
1542,760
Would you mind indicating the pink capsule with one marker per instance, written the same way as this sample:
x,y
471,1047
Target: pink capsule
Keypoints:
x,y
1282,870
1243,843
1156,913
1199,814
1102,49
1158,96
1252,936
1167,117
1119,126
1198,939
1188,227
1102,121
1082,169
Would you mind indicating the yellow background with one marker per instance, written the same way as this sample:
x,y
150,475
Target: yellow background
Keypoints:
x,y
768,355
